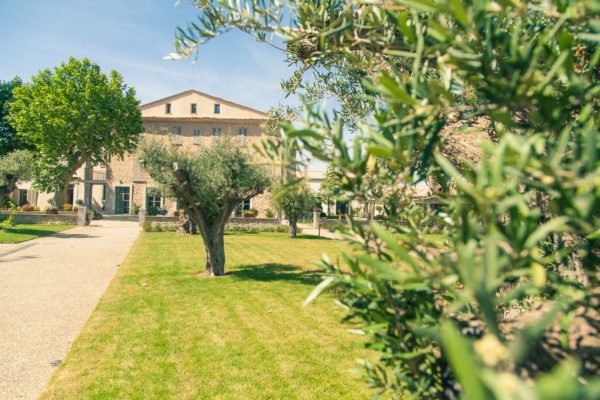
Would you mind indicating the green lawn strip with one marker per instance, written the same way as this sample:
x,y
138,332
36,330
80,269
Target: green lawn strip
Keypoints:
x,y
22,232
162,332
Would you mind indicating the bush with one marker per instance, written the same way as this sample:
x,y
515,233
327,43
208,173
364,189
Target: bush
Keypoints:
x,y
152,211
67,207
51,210
269,213
255,228
8,222
135,209
147,226
27,207
79,202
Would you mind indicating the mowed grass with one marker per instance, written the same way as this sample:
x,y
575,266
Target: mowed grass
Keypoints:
x,y
161,332
22,232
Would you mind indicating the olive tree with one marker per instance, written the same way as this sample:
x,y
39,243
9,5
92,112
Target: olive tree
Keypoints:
x,y
72,116
293,199
208,184
14,166
504,304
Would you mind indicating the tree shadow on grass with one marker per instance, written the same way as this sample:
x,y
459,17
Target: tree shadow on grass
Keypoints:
x,y
277,272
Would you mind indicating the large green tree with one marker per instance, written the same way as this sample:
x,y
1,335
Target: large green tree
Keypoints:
x,y
9,141
505,305
209,185
72,116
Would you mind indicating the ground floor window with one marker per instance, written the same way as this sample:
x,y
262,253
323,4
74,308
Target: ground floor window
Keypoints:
x,y
239,212
153,198
23,199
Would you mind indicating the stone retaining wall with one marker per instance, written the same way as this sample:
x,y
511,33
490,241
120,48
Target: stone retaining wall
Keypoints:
x,y
34,217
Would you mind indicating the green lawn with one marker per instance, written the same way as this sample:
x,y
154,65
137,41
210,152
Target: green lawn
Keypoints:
x,y
21,233
161,332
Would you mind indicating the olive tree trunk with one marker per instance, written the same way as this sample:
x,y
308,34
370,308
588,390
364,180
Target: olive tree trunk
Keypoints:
x,y
293,225
214,244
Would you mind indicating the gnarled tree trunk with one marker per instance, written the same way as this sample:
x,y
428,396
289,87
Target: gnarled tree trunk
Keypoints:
x,y
214,244
293,224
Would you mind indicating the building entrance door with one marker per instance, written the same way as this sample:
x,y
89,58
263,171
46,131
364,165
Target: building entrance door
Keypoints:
x,y
123,197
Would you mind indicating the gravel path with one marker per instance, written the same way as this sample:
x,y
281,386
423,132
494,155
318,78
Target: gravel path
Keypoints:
x,y
48,289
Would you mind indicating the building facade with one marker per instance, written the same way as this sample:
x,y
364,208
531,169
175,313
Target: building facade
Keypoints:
x,y
189,119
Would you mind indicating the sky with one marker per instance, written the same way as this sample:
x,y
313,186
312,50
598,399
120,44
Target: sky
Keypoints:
x,y
132,37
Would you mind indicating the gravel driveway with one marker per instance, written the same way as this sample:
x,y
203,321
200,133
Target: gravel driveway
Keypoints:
x,y
48,289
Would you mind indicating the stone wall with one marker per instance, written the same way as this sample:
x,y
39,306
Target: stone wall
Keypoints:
x,y
40,218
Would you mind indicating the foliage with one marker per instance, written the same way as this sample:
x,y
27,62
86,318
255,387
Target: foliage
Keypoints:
x,y
74,115
68,207
209,185
499,311
27,207
14,166
51,210
252,228
79,202
9,141
147,226
152,211
269,213
329,189
135,208
8,222
293,199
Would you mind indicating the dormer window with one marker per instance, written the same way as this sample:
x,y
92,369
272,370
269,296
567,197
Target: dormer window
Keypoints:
x,y
193,110
168,108
217,109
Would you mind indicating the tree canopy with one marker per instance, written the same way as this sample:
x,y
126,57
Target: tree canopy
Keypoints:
x,y
293,199
14,166
496,309
9,141
74,115
209,184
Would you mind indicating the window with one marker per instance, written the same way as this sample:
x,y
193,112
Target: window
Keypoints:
x,y
216,131
168,108
23,197
217,109
176,131
196,136
153,198
239,212
243,134
193,108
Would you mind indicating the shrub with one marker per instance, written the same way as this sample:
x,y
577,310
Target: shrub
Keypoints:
x,y
27,207
8,222
135,209
51,210
79,202
147,226
67,207
269,213
254,228
152,211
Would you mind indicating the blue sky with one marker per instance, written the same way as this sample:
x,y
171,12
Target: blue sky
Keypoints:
x,y
133,36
